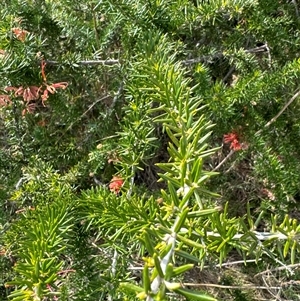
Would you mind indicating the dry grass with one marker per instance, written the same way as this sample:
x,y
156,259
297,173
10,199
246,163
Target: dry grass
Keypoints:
x,y
236,282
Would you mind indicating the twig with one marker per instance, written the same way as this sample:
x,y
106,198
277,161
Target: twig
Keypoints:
x,y
114,263
131,182
262,48
276,296
109,62
249,287
281,111
208,58
283,265
205,58
230,263
231,70
89,108
296,265
113,272
260,236
269,56
296,8
116,98
224,160
86,63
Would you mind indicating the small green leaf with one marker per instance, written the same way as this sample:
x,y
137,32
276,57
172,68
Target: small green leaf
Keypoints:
x,y
293,252
170,179
286,248
148,243
169,271
249,217
127,286
181,220
172,286
172,137
187,256
157,265
204,212
146,279
173,193
196,170
182,269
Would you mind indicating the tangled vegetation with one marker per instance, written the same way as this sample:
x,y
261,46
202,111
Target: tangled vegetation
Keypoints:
x,y
149,150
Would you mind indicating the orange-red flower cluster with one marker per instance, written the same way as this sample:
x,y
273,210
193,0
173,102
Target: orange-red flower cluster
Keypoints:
x,y
233,139
20,34
49,88
32,93
52,89
115,184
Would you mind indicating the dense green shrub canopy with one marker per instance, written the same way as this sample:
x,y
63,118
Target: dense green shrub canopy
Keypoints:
x,y
149,150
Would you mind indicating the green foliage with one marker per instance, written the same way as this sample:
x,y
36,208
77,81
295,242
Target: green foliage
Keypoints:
x,y
40,185
39,250
144,92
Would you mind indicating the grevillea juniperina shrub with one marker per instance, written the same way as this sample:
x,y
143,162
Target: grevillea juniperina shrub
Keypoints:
x,y
149,150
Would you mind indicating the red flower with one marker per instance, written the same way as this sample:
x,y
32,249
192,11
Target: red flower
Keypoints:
x,y
4,100
30,93
45,96
52,89
235,145
115,184
61,85
233,139
20,33
43,65
230,137
30,108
